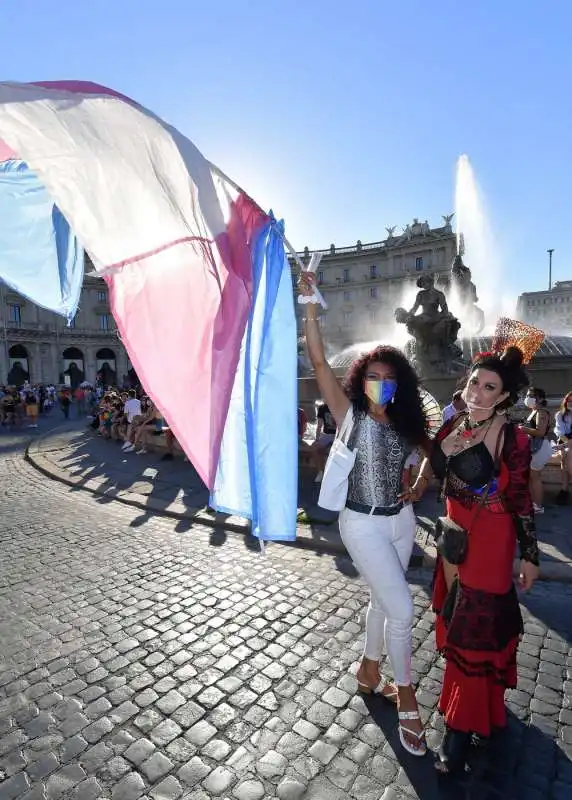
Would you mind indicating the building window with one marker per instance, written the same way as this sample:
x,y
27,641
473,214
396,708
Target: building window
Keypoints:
x,y
373,292
102,296
346,276
15,312
373,271
347,297
104,322
72,323
373,316
321,276
419,263
347,319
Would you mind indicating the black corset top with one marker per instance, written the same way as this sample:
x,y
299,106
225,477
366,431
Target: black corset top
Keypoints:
x,y
473,466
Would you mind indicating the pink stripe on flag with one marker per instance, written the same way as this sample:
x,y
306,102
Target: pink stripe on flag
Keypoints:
x,y
201,294
6,152
142,256
81,87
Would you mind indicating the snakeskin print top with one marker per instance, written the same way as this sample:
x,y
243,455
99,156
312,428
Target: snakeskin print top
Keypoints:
x,y
375,479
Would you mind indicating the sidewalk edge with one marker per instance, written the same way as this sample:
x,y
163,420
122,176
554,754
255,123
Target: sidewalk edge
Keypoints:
x,y
34,457
548,572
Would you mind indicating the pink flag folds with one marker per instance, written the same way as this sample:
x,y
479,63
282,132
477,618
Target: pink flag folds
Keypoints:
x,y
173,240
182,314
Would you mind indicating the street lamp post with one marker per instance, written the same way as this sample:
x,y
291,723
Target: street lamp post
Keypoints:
x,y
550,251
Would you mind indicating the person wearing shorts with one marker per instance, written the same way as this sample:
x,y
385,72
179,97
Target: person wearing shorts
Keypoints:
x,y
325,435
32,409
537,427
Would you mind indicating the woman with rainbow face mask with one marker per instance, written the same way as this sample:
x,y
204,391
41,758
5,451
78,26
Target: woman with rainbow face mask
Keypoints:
x,y
377,525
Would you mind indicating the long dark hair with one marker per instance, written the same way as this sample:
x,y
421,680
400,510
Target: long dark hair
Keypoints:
x,y
509,368
406,412
564,402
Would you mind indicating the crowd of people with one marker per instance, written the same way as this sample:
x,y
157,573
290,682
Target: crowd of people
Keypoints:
x,y
130,418
26,404
127,416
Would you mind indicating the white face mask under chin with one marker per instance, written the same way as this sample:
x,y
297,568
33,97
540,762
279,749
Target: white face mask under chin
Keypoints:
x,y
475,407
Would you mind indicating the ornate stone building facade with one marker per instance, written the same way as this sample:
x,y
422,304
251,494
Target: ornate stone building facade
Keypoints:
x,y
364,284
39,345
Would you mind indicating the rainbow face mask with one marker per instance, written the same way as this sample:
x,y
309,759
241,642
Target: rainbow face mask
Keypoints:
x,y
380,392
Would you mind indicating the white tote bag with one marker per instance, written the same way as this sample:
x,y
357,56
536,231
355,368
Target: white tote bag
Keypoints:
x,y
334,488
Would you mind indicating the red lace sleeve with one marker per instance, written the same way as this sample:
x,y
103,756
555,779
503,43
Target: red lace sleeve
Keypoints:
x,y
517,455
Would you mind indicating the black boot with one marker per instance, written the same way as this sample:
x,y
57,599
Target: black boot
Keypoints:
x,y
453,752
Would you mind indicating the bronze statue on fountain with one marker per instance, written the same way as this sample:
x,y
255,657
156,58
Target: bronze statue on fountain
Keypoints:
x,y
433,348
461,283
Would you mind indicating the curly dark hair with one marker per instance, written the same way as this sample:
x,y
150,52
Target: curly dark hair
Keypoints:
x,y
509,368
406,412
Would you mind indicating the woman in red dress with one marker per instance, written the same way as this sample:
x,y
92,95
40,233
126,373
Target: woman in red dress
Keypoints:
x,y
484,461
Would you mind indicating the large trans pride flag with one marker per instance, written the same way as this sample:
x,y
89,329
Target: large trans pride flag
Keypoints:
x,y
199,283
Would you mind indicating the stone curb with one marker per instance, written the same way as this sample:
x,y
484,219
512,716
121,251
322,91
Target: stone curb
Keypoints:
x,y
304,539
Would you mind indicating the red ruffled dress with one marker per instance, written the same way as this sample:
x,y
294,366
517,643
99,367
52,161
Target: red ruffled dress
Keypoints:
x,y
480,639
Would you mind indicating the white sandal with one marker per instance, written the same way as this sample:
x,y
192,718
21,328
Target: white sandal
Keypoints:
x,y
415,751
391,697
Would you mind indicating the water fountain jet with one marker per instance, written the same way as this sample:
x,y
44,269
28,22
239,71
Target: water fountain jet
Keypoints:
x,y
476,244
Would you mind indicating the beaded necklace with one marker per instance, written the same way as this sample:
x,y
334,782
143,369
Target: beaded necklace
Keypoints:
x,y
468,431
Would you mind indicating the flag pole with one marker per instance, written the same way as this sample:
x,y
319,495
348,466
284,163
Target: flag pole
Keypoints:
x,y
293,253
318,295
238,188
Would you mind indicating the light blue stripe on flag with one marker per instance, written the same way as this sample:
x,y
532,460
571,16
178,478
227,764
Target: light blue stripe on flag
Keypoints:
x,y
257,476
40,258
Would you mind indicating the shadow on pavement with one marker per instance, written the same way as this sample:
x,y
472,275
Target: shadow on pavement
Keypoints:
x,y
513,766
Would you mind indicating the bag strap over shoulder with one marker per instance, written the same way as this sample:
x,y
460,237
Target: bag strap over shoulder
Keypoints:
x,y
498,445
345,429
485,494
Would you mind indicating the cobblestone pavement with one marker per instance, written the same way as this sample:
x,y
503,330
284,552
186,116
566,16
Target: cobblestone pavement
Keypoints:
x,y
73,454
142,657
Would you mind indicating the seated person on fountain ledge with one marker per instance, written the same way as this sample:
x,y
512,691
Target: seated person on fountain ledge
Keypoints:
x,y
325,435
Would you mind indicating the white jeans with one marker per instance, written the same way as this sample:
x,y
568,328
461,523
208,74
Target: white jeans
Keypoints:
x,y
380,548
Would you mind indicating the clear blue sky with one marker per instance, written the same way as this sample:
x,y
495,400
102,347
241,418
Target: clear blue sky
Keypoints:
x,y
343,117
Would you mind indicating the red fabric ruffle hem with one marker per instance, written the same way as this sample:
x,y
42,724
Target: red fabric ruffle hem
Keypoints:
x,y
473,705
480,642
